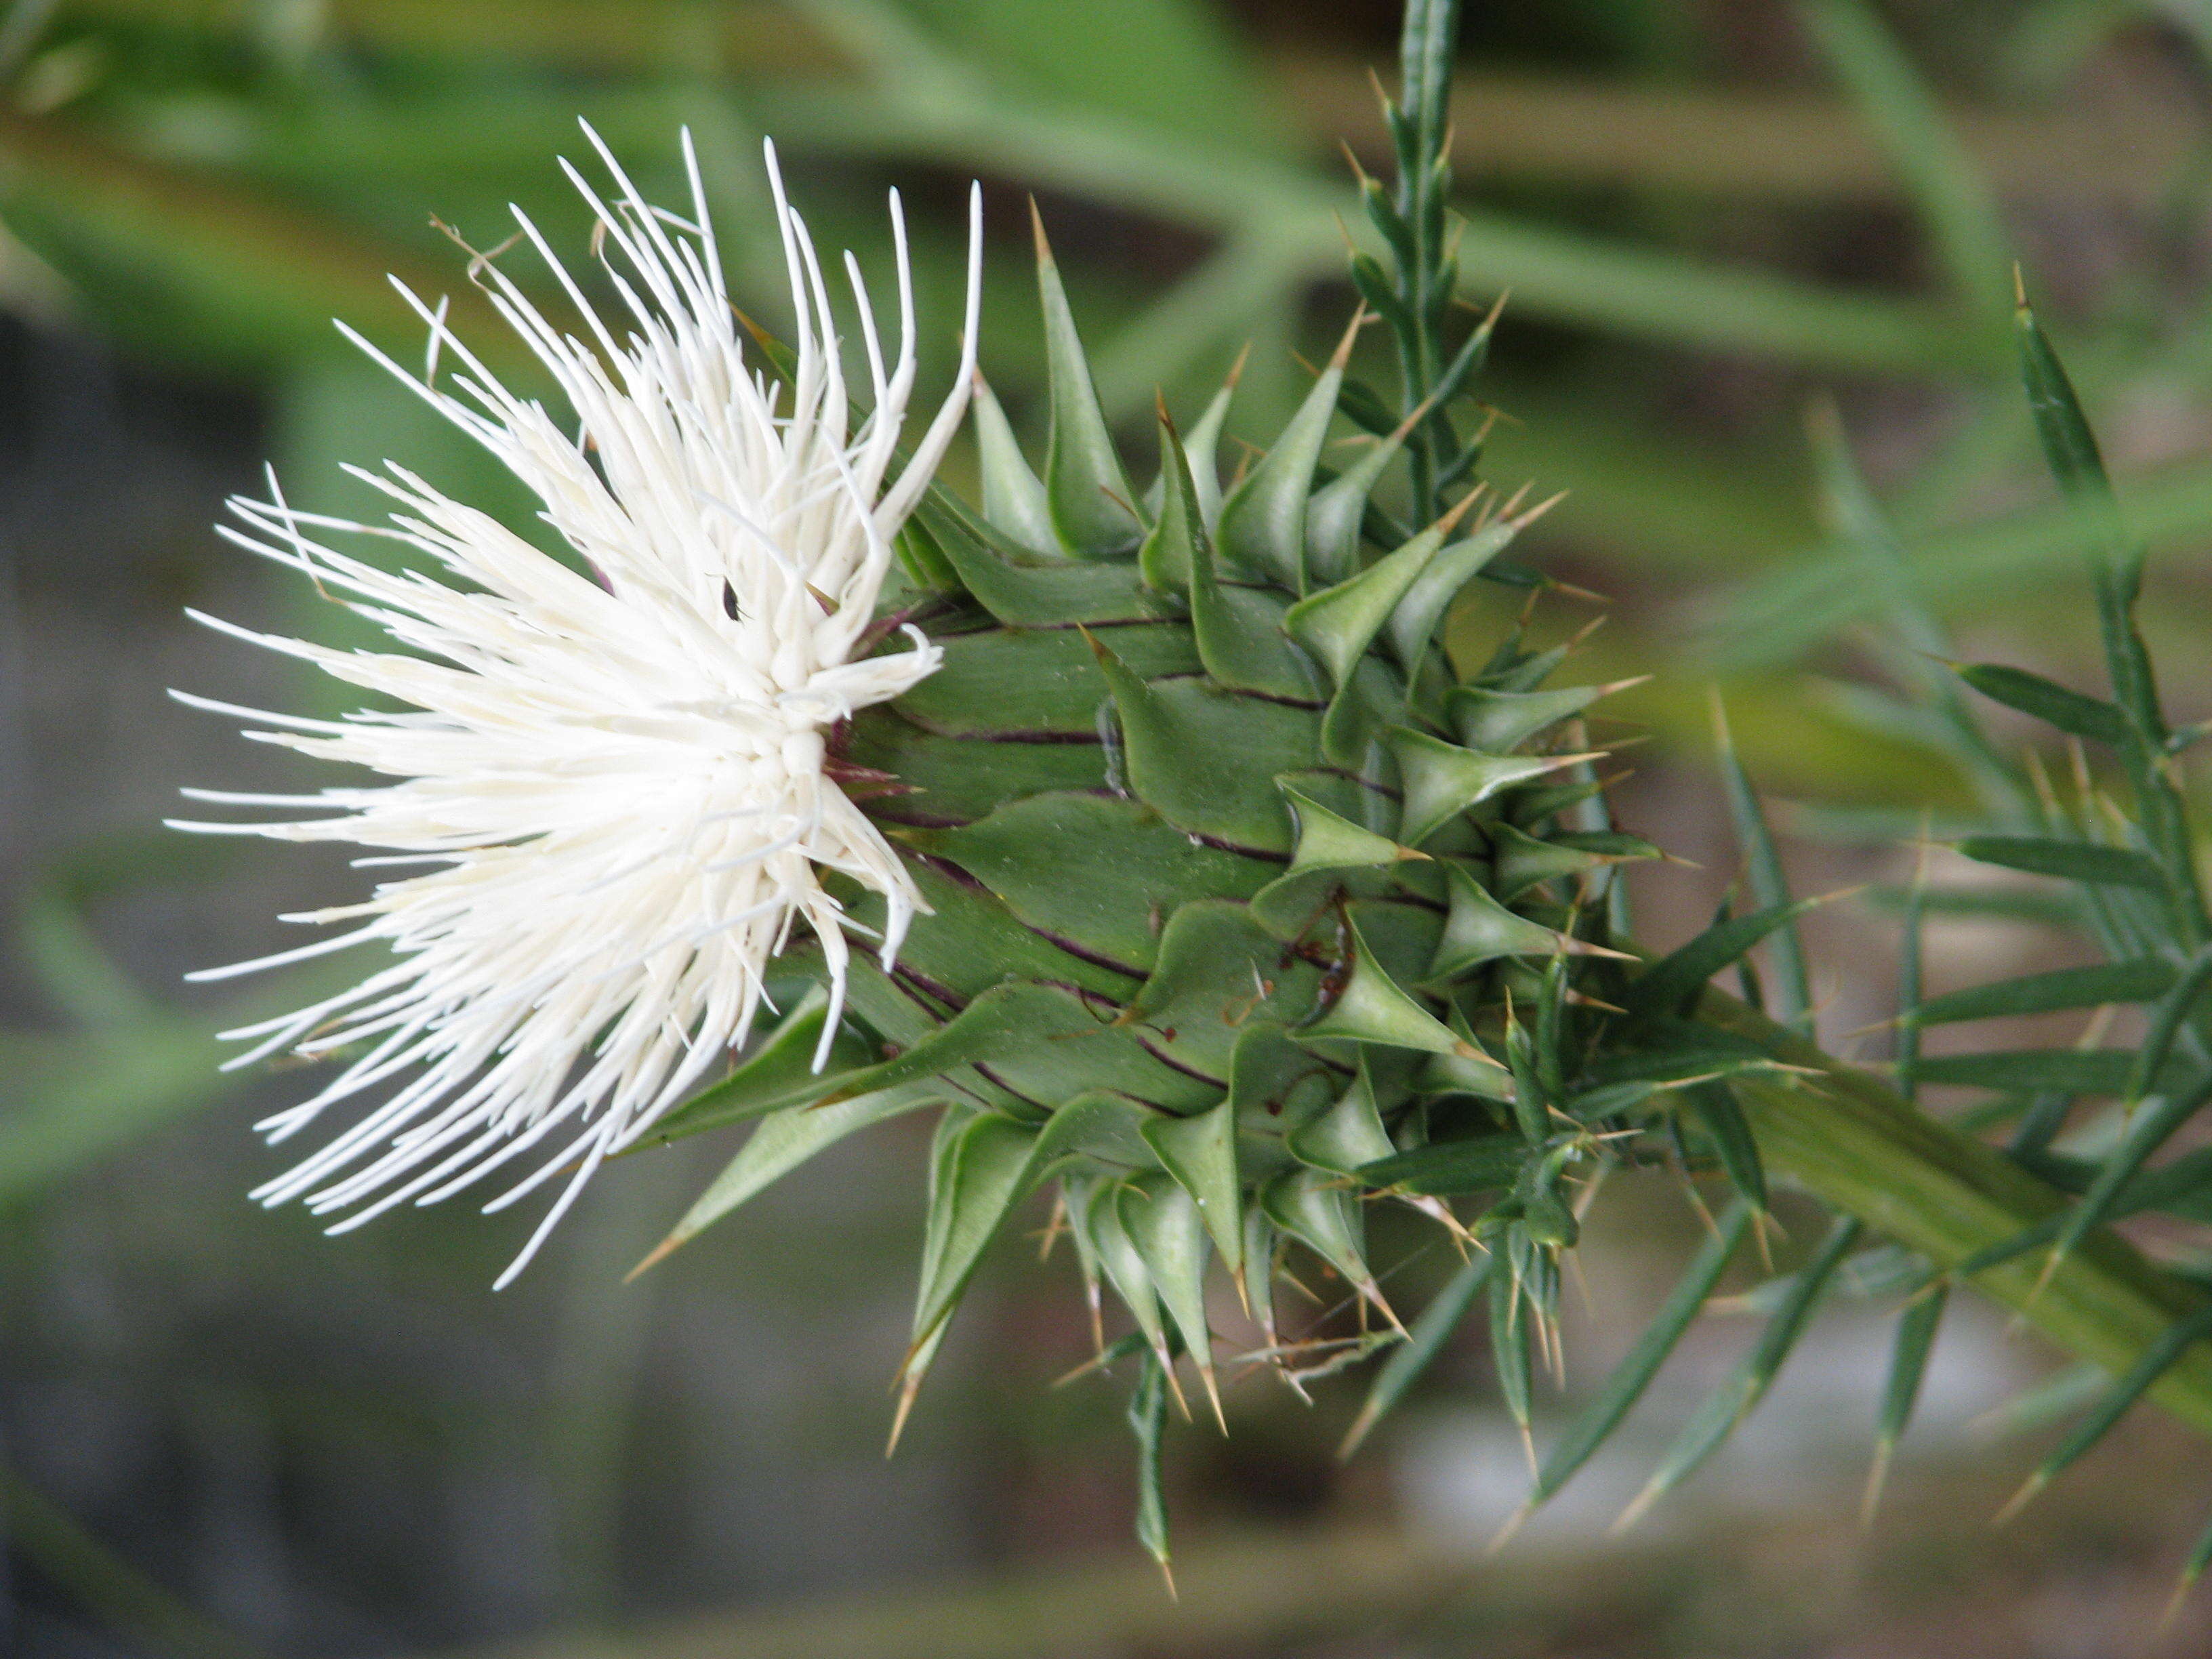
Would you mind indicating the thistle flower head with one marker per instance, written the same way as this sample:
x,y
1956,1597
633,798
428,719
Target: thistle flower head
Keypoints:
x,y
608,789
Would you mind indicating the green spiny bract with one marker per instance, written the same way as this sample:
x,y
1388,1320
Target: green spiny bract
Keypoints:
x,y
1248,906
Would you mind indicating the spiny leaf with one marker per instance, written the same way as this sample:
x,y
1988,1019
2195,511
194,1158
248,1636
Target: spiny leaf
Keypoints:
x,y
1315,1209
1338,508
1522,860
1426,1339
1124,1268
2072,860
1442,780
1328,840
1479,929
1035,682
1103,873
1338,623
2048,700
780,1073
784,1140
1371,1007
982,1176
1206,760
1200,1152
1176,545
1501,721
1417,615
1633,1375
1263,521
1346,1136
1013,495
1091,504
1019,589
1168,1232
1220,972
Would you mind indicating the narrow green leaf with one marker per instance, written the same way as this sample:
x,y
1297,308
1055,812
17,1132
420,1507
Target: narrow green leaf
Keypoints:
x,y
1733,1141
2138,980
2165,1024
2152,1128
1734,1401
2065,1070
1628,1380
2072,860
1954,200
1509,1346
2049,701
1770,886
783,1141
1908,1364
1148,1421
1446,1169
1668,985
2128,1387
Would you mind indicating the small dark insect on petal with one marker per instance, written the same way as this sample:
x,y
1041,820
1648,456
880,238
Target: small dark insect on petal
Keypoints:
x,y
729,600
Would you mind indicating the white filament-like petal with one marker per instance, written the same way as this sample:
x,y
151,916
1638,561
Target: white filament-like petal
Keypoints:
x,y
619,783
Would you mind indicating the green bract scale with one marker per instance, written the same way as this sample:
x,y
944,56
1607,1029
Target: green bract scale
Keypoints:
x,y
1240,891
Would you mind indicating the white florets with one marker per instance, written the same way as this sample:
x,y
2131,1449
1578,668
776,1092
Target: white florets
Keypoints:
x,y
616,784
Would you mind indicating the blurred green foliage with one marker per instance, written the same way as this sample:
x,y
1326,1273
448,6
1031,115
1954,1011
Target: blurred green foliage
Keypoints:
x,y
206,183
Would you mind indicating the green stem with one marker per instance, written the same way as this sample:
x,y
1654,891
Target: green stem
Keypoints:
x,y
1859,1146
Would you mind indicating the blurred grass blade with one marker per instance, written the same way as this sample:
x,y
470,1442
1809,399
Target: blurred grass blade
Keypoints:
x,y
1732,1140
1908,1367
1426,1339
2087,862
1953,200
1792,999
2139,981
1730,1403
2151,1130
1673,981
2126,1390
1633,1375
